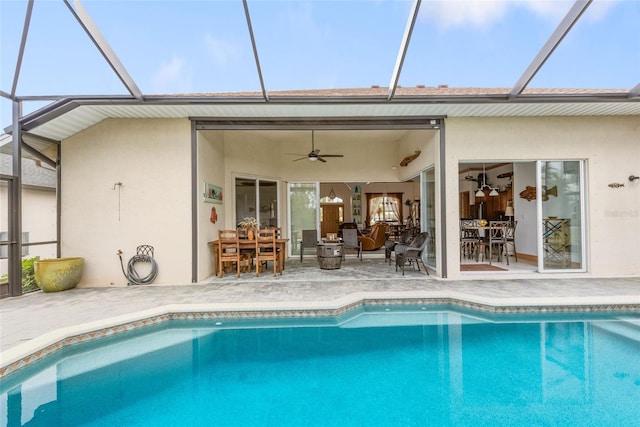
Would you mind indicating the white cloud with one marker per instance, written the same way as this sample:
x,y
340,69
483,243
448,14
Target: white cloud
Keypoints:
x,y
460,13
599,9
483,14
173,77
219,50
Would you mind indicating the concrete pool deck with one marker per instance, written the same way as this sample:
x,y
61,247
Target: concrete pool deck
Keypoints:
x,y
34,321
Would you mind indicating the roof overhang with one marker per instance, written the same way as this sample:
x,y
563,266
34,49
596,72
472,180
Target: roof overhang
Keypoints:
x,y
66,117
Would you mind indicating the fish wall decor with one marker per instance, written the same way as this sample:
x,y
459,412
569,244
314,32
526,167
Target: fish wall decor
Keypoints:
x,y
529,193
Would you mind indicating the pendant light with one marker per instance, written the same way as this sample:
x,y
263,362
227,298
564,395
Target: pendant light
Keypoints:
x,y
480,192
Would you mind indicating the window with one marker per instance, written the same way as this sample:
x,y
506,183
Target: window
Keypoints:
x,y
335,200
384,207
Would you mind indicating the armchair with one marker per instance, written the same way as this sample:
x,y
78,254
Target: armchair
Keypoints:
x,y
412,252
375,239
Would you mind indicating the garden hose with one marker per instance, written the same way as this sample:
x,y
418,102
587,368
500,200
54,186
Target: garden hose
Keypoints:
x,y
144,253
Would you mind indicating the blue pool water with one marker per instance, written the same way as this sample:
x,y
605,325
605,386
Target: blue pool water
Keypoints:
x,y
374,367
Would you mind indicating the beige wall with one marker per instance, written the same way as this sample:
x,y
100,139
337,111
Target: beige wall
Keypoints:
x,y
211,169
612,152
152,160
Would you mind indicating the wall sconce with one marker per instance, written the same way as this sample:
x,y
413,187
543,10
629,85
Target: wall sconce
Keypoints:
x,y
633,178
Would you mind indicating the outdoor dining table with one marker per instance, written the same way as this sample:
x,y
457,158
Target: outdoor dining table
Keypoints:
x,y
249,244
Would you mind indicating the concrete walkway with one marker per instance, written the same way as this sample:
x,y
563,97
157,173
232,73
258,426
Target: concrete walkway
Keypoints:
x,y
26,320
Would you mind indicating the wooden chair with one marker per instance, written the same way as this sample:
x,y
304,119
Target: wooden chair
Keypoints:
x,y
266,250
246,254
229,251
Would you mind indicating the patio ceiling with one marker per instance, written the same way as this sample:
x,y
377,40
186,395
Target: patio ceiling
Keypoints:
x,y
403,96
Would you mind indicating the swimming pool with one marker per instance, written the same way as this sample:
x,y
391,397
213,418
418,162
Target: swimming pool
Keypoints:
x,y
373,366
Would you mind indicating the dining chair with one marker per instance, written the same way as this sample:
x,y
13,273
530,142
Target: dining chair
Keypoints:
x,y
229,249
510,236
469,239
266,250
350,241
309,240
497,239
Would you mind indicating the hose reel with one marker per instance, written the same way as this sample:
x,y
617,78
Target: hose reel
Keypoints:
x,y
144,253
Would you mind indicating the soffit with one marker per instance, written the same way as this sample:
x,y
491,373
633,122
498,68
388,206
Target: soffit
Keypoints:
x,y
85,116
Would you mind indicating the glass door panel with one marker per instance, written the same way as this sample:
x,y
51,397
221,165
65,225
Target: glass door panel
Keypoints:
x,y
245,198
303,211
428,222
251,193
268,202
561,207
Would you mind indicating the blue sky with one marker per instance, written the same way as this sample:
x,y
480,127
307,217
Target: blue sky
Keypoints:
x,y
204,46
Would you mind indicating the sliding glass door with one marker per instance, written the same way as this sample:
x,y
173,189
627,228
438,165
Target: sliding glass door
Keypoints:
x,y
303,211
561,208
257,198
428,219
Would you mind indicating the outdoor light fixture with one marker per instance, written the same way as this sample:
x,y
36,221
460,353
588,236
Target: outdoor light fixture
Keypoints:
x,y
480,192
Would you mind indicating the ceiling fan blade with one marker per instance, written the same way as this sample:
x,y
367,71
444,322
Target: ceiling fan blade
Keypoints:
x,y
332,155
301,158
321,159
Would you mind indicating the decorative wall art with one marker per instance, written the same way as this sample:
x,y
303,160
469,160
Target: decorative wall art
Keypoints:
x,y
529,193
410,158
212,193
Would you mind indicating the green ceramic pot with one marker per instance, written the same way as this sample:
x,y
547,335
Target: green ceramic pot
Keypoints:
x,y
58,274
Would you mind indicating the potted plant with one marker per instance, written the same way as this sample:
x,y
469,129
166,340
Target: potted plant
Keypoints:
x,y
249,225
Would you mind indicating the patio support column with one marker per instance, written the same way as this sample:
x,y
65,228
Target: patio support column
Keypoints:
x,y
443,202
15,206
194,202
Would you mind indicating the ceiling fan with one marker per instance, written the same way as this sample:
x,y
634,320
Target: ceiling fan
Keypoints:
x,y
315,154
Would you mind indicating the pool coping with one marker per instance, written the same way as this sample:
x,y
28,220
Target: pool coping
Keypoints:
x,y
21,355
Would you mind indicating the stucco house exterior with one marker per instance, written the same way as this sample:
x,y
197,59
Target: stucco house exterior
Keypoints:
x,y
163,155
141,169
